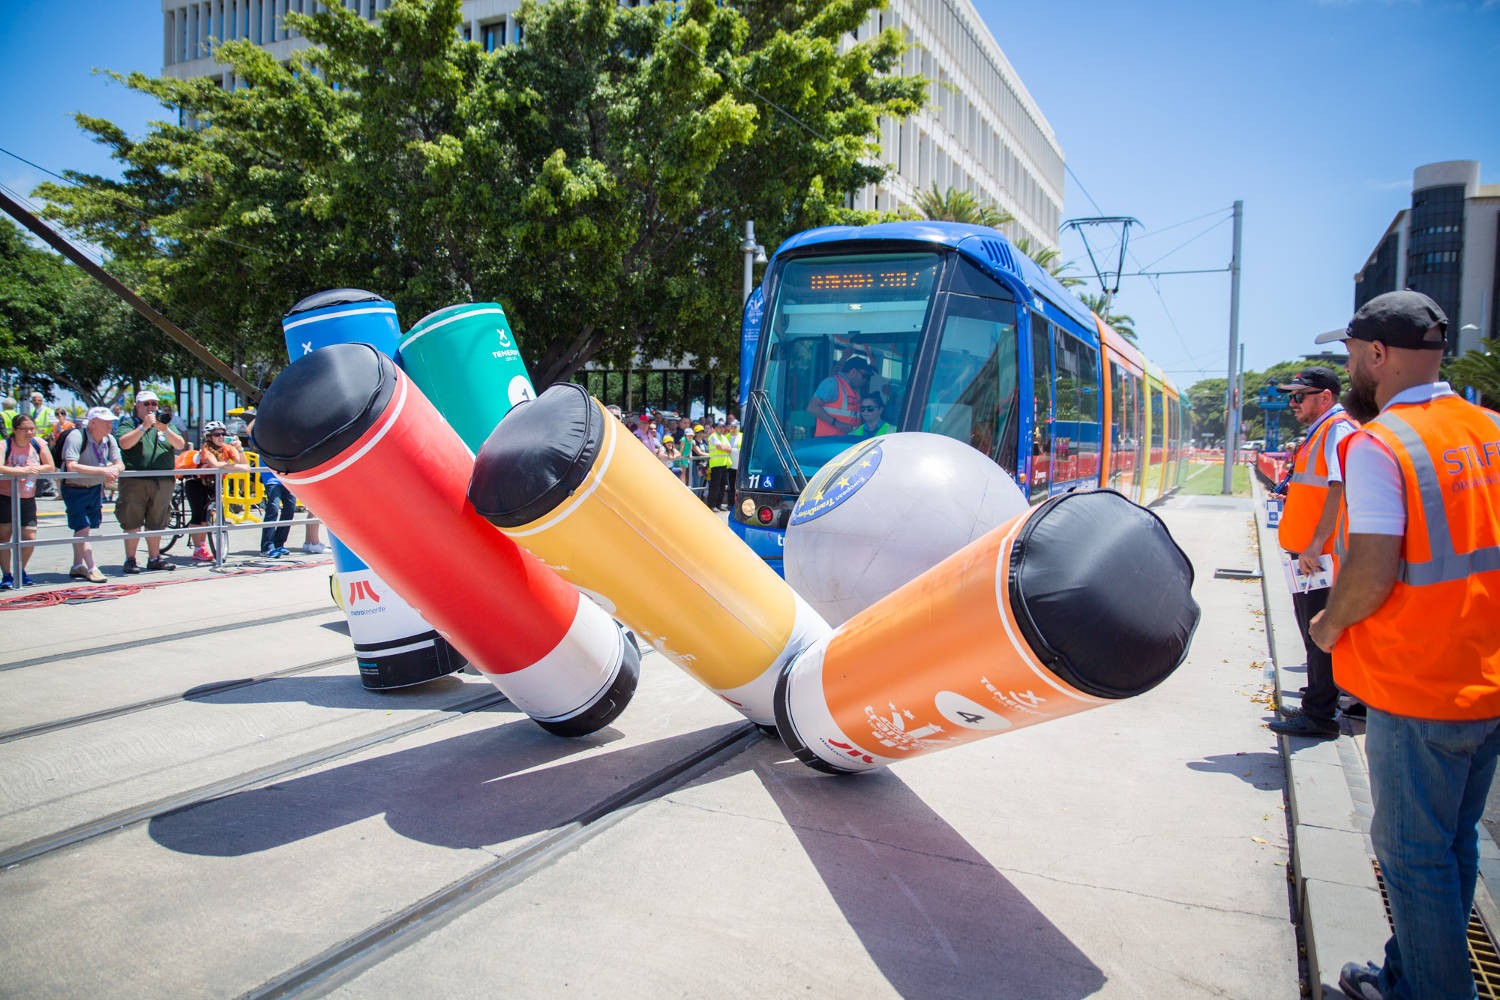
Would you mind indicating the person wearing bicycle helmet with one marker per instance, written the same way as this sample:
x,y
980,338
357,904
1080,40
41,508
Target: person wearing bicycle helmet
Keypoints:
x,y
217,453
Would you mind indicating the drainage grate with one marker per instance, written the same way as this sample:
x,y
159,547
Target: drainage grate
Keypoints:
x,y
1484,961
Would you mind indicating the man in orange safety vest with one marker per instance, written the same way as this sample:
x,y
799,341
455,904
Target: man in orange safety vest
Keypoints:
x,y
1414,627
1314,498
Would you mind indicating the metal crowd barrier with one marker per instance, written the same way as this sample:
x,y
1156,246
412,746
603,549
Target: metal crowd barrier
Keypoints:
x,y
697,473
219,527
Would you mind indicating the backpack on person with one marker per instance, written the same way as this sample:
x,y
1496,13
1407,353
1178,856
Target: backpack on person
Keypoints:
x,y
59,442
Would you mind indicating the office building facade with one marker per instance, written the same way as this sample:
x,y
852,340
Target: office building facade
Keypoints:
x,y
1447,246
981,131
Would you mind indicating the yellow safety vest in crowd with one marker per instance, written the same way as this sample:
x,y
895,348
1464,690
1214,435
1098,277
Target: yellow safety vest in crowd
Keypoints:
x,y
718,451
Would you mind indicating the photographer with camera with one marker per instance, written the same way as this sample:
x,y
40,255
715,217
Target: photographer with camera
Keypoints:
x,y
147,443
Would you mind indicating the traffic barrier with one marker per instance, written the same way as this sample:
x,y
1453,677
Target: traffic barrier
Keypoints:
x,y
243,492
572,485
219,528
1071,605
1273,466
344,423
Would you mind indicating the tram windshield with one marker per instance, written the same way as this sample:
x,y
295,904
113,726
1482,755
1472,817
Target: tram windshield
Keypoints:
x,y
841,329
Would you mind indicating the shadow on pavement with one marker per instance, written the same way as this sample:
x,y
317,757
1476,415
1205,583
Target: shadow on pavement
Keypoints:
x,y
1264,769
935,916
465,792
336,692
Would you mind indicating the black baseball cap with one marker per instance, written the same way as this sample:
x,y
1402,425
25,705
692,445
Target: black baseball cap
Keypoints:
x,y
854,362
1405,319
1316,378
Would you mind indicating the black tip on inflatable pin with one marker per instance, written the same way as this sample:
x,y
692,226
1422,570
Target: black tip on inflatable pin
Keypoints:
x,y
788,732
608,706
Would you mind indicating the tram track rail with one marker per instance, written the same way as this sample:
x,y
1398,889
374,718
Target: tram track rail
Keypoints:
x,y
345,961
192,694
51,843
120,647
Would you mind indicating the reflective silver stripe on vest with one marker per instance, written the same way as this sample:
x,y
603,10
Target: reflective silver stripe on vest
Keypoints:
x,y
1308,479
1445,564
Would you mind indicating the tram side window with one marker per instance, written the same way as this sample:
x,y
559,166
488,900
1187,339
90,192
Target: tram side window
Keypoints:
x,y
1041,406
1065,423
1158,425
1119,407
1137,411
1087,438
973,396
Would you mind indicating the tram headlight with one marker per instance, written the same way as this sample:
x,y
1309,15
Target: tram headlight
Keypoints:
x,y
747,508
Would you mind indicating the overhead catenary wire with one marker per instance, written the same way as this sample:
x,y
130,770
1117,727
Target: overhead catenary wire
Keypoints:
x,y
1181,245
1154,233
89,250
121,202
1153,282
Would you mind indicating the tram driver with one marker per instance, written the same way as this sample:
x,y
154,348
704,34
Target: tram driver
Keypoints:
x,y
835,402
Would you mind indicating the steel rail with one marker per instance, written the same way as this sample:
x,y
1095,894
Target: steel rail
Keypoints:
x,y
52,842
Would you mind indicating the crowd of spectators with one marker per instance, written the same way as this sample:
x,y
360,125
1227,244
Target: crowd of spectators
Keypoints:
x,y
703,454
105,443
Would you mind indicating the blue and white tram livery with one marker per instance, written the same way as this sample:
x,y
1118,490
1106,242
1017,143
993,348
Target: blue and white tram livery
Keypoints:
x,y
965,337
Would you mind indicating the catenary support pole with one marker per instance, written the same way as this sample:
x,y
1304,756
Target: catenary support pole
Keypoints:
x,y
1231,410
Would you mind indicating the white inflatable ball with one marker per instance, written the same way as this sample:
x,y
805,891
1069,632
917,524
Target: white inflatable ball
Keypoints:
x,y
886,510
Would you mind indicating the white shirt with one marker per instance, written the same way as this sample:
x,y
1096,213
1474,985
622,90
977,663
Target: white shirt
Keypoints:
x,y
1331,443
1373,490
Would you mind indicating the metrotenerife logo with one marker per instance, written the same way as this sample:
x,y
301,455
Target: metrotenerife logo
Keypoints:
x,y
362,589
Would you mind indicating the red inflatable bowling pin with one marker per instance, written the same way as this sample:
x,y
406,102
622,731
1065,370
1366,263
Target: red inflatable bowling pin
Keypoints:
x,y
358,443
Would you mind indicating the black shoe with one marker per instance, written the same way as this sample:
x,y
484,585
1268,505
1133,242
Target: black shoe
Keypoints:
x,y
131,567
1303,725
1291,711
160,563
1355,711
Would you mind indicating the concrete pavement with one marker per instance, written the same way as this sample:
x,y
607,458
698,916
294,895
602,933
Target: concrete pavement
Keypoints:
x,y
282,832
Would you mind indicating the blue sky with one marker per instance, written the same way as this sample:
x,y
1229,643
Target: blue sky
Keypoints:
x,y
1313,113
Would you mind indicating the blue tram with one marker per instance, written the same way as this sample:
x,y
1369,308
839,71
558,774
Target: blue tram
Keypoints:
x,y
956,333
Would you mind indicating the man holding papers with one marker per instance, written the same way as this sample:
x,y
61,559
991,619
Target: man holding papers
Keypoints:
x,y
1314,500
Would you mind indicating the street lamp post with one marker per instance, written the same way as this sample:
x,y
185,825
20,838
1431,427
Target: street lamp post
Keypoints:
x,y
754,254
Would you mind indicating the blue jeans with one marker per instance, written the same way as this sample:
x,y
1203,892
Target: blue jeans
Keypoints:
x,y
1428,781
278,498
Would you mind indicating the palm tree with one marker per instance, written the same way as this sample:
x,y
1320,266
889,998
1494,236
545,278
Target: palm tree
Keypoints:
x,y
1122,324
1479,369
960,206
1046,258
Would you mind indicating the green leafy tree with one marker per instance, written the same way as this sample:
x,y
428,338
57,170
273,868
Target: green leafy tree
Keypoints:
x,y
953,205
59,328
1050,259
32,282
1207,398
595,180
1123,324
1478,369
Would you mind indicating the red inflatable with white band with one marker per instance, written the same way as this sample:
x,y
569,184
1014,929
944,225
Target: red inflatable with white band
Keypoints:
x,y
360,445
